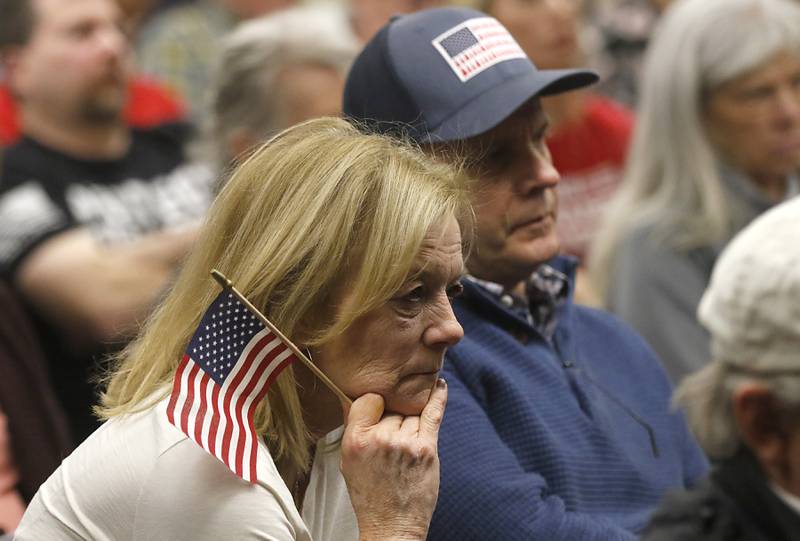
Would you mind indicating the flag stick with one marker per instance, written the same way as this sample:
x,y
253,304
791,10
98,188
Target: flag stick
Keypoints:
x,y
227,284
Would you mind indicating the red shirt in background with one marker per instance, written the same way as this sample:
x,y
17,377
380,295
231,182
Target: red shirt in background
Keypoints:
x,y
149,104
590,155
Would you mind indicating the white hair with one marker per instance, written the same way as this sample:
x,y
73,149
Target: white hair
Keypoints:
x,y
246,91
672,183
707,398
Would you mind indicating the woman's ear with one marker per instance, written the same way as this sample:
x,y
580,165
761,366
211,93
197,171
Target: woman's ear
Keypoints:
x,y
762,426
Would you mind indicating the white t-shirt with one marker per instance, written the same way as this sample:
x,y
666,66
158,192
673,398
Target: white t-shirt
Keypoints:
x,y
327,510
139,477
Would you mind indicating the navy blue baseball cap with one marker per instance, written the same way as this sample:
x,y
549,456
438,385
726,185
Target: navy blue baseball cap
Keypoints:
x,y
446,74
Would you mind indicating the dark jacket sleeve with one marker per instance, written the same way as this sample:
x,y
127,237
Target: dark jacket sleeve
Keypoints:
x,y
40,436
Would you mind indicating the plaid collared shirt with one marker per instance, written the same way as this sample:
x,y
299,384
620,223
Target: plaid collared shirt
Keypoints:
x,y
546,291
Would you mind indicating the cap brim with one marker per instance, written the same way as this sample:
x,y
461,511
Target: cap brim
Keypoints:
x,y
498,103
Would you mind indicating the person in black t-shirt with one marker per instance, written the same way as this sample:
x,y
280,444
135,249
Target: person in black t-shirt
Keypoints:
x,y
94,217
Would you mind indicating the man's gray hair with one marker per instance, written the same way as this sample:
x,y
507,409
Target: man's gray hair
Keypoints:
x,y
672,182
707,398
246,92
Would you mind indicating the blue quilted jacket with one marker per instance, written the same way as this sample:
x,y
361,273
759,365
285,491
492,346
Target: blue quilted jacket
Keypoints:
x,y
571,440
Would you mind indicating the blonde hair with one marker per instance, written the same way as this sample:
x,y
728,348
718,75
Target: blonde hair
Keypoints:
x,y
319,206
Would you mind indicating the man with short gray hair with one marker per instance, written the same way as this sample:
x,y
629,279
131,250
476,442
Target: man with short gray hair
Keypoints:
x,y
275,71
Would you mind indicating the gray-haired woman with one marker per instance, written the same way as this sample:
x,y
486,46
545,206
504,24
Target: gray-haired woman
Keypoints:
x,y
717,143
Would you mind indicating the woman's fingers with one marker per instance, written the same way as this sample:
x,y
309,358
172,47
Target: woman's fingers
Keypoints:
x,y
410,425
391,466
427,424
365,412
431,417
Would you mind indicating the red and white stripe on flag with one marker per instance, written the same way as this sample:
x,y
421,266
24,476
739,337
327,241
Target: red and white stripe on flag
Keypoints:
x,y
227,369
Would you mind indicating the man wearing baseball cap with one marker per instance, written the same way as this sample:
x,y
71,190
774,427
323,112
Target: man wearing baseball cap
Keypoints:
x,y
558,424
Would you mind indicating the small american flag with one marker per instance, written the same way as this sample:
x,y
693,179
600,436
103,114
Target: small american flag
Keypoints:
x,y
231,361
475,45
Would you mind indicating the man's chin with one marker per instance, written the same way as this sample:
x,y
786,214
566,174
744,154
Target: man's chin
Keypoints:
x,y
105,107
534,252
102,113
514,260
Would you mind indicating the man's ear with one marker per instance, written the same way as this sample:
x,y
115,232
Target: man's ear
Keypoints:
x,y
241,144
762,427
11,61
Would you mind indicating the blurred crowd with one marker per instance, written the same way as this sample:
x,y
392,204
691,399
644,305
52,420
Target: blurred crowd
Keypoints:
x,y
120,120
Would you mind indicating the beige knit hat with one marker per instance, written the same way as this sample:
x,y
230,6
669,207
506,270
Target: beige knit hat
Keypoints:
x,y
752,305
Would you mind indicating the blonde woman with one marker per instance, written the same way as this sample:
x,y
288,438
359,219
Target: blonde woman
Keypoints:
x,y
351,245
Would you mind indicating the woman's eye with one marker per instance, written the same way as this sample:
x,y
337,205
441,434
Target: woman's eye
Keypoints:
x,y
455,290
415,295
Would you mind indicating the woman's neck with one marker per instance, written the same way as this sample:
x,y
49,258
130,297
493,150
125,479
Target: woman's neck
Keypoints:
x,y
773,186
296,481
322,413
322,410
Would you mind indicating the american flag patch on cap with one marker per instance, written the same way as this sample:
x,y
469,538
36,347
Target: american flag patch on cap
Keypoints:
x,y
476,45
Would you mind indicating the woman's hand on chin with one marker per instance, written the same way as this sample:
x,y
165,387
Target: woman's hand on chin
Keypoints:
x,y
391,466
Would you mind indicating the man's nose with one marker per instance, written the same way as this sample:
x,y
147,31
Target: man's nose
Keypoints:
x,y
539,171
112,41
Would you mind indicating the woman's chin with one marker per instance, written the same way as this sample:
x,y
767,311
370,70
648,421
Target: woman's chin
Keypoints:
x,y
411,395
409,405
